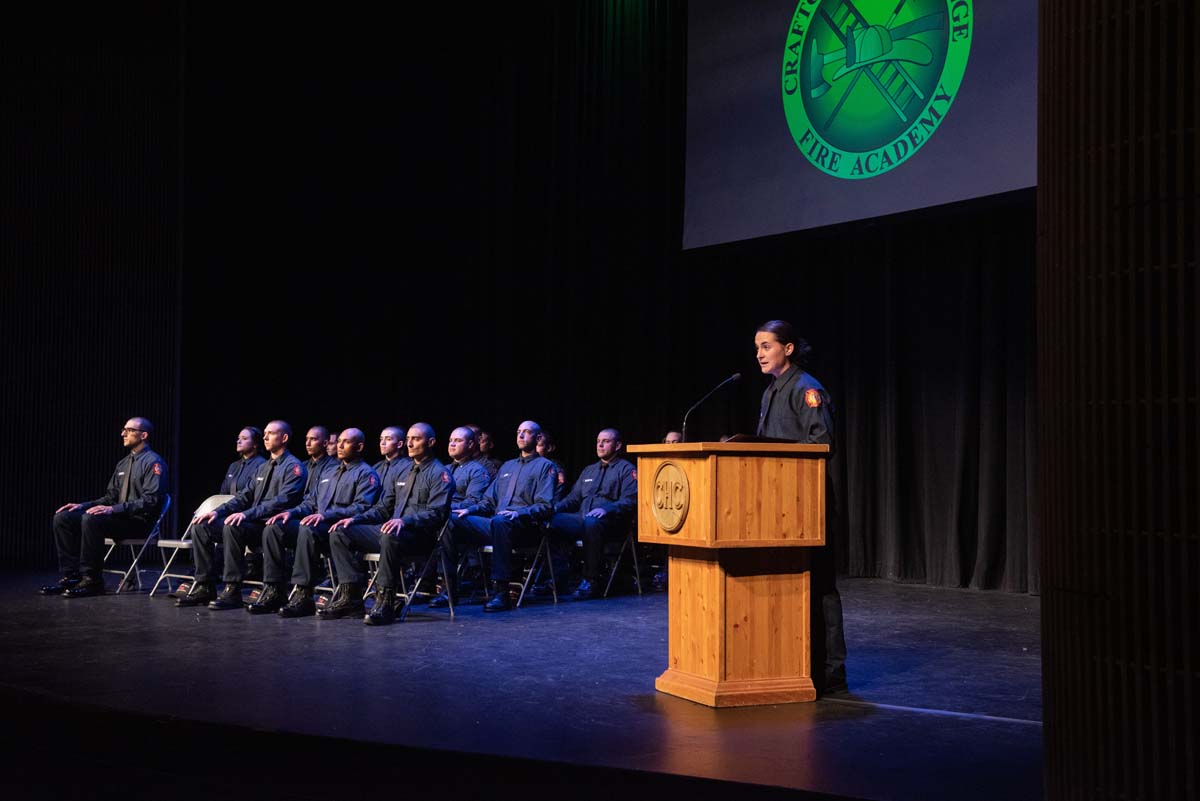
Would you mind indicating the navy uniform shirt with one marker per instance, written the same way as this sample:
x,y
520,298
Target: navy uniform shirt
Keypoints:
x,y
490,463
525,486
471,481
316,468
147,486
265,498
387,470
346,490
241,473
560,481
418,494
611,487
796,407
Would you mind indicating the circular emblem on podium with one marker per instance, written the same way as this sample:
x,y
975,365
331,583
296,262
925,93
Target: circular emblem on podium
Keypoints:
x,y
672,494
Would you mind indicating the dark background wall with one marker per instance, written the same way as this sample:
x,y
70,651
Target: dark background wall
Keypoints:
x,y
411,217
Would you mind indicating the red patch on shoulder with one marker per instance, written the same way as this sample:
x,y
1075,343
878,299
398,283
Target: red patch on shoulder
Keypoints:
x,y
812,398
371,480
634,474
445,477
157,469
561,478
296,470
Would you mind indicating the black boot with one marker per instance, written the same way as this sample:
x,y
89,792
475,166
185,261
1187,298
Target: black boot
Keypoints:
x,y
347,601
273,597
87,587
384,610
230,597
199,595
65,583
301,605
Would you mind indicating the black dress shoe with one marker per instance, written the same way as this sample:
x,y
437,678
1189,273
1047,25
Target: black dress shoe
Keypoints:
x,y
272,600
64,583
199,595
439,601
384,610
87,587
500,602
347,601
301,605
230,597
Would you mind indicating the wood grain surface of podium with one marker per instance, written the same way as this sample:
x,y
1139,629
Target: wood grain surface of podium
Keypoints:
x,y
738,520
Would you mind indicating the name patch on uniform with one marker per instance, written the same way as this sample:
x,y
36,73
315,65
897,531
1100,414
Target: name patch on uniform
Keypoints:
x,y
588,480
157,469
812,398
399,483
506,475
324,481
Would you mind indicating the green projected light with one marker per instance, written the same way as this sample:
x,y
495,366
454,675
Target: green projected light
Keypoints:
x,y
866,83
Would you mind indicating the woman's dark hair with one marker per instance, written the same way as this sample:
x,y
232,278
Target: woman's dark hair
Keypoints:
x,y
256,436
784,332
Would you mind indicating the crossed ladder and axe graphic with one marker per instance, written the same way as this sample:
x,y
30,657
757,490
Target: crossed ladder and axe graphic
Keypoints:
x,y
864,46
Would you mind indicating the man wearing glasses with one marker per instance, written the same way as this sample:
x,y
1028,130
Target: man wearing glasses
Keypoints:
x,y
128,510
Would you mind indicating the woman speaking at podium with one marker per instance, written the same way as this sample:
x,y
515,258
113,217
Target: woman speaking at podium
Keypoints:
x,y
795,407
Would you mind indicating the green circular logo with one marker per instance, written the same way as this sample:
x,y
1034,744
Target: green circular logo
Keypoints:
x,y
867,83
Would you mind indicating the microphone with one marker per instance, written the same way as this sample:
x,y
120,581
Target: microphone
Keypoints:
x,y
733,379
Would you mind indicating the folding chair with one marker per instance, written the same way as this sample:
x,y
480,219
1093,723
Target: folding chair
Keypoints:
x,y
541,559
184,543
440,553
141,543
629,542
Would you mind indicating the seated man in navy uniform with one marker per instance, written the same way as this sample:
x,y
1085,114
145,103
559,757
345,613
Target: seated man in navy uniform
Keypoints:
x,y
393,450
517,502
546,448
471,480
405,520
484,444
599,507
128,509
350,488
278,485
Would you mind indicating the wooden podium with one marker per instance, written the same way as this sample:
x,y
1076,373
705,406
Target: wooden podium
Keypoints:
x,y
738,518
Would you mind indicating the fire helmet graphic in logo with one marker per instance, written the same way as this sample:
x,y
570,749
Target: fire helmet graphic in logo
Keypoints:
x,y
867,83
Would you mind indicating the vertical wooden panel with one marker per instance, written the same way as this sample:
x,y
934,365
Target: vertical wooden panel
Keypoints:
x,y
694,642
1118,363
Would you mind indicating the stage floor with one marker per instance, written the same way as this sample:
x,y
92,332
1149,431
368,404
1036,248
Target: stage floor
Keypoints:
x,y
546,701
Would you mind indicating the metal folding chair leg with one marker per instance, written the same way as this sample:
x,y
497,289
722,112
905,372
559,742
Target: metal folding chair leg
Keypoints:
x,y
135,558
630,542
541,558
438,554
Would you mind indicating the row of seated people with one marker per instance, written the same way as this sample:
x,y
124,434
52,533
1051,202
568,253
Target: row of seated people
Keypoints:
x,y
338,505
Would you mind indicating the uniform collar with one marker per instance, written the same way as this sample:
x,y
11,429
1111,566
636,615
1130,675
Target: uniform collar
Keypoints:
x,y
783,379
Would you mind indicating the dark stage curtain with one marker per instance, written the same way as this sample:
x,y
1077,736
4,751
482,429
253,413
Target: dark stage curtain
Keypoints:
x,y
484,226
90,156
922,330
